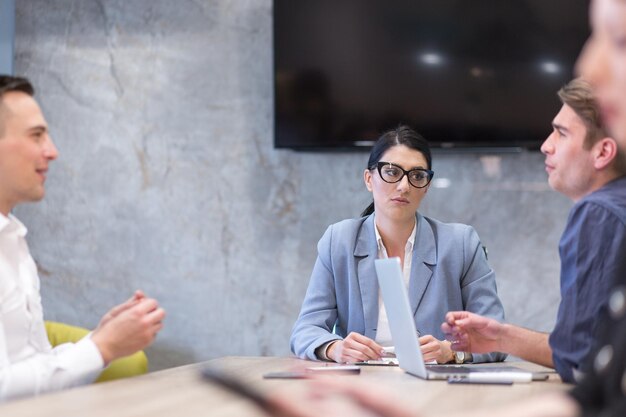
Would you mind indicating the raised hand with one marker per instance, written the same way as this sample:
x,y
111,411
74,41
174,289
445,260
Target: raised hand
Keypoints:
x,y
138,295
129,329
471,332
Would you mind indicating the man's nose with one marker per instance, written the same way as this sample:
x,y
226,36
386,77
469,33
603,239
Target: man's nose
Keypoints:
x,y
50,150
547,147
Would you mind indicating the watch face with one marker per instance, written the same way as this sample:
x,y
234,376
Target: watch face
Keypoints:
x,y
459,357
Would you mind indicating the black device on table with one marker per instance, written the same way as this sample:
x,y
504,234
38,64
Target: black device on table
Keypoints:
x,y
226,380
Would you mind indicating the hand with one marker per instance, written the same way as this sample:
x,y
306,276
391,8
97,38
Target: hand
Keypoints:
x,y
129,330
354,348
435,349
138,295
338,397
341,397
470,332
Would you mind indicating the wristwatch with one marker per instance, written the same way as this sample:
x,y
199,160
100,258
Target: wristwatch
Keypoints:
x,y
459,357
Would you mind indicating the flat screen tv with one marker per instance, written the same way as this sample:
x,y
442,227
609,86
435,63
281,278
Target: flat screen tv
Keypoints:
x,y
464,73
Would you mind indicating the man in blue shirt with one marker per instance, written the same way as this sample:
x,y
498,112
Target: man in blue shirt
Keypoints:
x,y
584,163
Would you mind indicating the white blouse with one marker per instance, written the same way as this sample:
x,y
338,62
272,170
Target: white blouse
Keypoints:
x,y
383,334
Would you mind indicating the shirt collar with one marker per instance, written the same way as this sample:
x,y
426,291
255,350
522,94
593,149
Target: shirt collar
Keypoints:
x,y
409,243
11,224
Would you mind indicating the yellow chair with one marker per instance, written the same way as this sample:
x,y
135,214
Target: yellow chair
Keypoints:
x,y
133,365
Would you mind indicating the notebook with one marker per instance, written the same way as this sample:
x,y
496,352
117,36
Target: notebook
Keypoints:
x,y
404,335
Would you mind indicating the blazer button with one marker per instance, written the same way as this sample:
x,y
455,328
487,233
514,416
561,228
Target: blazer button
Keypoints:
x,y
603,358
617,303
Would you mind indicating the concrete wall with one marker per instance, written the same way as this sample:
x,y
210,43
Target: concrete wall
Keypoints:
x,y
167,180
7,35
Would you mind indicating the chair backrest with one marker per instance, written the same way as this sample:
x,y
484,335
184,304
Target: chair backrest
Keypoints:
x,y
133,365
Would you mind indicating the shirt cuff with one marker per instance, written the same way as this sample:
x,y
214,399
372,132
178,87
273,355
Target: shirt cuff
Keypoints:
x,y
83,355
322,351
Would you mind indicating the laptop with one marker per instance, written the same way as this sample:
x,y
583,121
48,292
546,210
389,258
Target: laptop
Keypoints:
x,y
405,339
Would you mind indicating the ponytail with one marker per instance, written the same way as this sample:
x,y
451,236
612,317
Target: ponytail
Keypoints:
x,y
369,210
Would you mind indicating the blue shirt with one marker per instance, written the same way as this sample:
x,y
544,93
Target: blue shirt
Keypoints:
x,y
593,258
601,391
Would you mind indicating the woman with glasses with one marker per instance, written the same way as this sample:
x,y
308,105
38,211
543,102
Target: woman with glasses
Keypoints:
x,y
444,266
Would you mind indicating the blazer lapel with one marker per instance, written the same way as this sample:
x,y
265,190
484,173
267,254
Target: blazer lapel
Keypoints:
x,y
424,257
365,252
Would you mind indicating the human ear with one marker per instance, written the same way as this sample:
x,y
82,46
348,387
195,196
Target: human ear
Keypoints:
x,y
604,152
367,178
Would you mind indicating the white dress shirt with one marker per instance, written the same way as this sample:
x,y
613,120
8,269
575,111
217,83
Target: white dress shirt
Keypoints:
x,y
28,364
383,334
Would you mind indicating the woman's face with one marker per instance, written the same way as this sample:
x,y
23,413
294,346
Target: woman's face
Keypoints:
x,y
603,63
400,200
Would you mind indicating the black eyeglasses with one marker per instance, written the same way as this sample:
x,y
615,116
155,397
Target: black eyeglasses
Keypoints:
x,y
392,173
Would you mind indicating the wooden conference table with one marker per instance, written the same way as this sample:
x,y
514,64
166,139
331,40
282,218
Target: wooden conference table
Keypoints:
x,y
182,392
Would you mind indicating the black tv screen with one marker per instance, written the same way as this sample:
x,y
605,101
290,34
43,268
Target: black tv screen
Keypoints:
x,y
464,73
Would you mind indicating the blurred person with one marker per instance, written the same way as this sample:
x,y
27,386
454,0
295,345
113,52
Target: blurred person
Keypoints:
x,y
603,63
347,397
28,363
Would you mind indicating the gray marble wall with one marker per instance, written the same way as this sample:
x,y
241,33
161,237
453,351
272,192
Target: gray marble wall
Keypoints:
x,y
167,180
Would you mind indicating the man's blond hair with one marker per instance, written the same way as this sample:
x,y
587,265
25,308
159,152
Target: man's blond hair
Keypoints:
x,y
578,94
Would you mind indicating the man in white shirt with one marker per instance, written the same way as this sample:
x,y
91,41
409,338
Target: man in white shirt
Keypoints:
x,y
28,364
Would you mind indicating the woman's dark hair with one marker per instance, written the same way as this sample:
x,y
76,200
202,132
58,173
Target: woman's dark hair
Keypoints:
x,y
402,135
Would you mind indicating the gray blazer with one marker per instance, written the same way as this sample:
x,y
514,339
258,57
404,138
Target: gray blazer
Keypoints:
x,y
449,272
